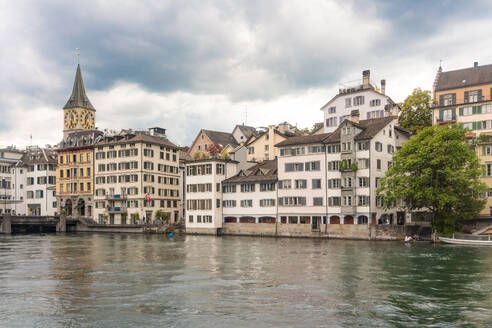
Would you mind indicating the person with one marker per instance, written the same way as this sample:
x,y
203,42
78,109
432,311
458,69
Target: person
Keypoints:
x,y
408,239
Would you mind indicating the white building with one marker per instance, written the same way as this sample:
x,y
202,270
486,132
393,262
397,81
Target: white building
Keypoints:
x,y
203,194
9,157
365,98
250,196
35,185
302,190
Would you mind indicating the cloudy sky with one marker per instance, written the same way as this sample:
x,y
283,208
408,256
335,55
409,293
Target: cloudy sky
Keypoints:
x,y
186,65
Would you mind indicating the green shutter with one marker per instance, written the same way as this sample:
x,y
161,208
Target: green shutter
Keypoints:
x,y
479,109
441,115
454,114
474,125
483,150
474,111
461,111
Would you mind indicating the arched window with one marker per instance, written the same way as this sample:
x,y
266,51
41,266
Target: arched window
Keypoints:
x,y
230,219
334,220
362,219
349,219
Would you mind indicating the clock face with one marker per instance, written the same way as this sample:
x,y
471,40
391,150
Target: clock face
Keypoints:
x,y
87,119
71,119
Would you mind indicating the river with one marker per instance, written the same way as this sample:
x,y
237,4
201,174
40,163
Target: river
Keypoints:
x,y
125,280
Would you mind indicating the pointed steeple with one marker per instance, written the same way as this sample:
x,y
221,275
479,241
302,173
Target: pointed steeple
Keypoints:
x,y
78,99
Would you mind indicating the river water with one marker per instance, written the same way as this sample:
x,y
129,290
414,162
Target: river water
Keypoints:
x,y
125,280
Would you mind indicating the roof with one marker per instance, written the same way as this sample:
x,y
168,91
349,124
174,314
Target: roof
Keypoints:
x,y
262,172
390,101
78,98
134,138
248,131
369,128
221,138
302,140
464,77
83,139
37,155
403,131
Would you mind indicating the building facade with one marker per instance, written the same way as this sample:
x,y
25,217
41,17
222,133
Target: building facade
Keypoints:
x,y
35,182
366,98
136,175
9,158
203,193
75,172
465,96
262,147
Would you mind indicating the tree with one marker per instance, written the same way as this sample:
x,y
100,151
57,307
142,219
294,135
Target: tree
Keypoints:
x,y
214,149
416,111
437,171
164,216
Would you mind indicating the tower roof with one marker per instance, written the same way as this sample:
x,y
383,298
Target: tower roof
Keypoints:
x,y
78,97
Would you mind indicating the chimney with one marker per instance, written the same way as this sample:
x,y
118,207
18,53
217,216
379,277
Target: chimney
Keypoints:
x,y
365,79
383,87
354,116
475,64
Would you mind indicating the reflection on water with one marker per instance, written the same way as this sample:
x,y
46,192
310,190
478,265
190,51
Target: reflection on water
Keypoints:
x,y
124,280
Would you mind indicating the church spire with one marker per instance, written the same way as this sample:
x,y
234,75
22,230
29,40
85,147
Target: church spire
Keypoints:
x,y
78,99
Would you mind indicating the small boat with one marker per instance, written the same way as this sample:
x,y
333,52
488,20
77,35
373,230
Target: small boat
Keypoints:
x,y
467,241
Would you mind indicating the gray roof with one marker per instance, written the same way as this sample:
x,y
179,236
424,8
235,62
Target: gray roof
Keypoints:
x,y
369,128
84,139
464,77
303,140
265,171
248,131
78,98
221,138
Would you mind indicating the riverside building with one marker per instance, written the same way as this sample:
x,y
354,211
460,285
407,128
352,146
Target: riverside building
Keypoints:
x,y
9,157
136,175
74,175
203,193
370,101
465,96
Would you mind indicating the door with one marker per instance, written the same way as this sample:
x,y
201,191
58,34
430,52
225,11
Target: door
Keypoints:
x,y
111,218
315,223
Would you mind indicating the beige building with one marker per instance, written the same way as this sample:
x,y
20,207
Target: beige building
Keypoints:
x,y
262,147
74,175
465,96
136,174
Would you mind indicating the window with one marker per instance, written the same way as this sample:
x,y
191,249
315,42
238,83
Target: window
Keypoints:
x,y
294,167
316,149
347,182
247,187
487,150
449,99
251,150
334,201
379,146
375,102
375,114
332,121
267,202
332,110
347,200
472,96
190,219
247,203
292,201
488,171
313,166
334,183
348,102
218,203
285,184
333,166
359,100
301,184
363,182
391,149
267,186
318,201
228,188
377,182
363,200
220,169
465,111
378,164
229,203
316,184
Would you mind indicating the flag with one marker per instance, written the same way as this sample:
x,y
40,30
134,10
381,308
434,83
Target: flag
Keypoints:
x,y
147,198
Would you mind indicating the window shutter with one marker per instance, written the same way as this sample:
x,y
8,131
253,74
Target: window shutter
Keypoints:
x,y
480,95
453,97
441,114
474,109
466,97
441,100
453,114
474,125
483,150
461,111
479,109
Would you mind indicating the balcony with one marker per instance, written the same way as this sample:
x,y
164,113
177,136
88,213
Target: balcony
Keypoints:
x,y
116,197
116,209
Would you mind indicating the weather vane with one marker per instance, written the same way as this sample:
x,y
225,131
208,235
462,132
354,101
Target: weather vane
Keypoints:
x,y
77,52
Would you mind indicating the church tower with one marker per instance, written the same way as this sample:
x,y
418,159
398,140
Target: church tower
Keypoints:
x,y
78,113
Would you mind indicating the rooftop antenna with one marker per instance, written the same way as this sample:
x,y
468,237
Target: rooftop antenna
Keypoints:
x,y
440,62
77,53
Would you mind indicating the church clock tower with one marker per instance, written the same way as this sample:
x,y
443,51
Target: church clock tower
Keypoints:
x,y
78,113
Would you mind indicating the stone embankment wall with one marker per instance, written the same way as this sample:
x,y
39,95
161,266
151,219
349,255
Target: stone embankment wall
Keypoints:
x,y
342,231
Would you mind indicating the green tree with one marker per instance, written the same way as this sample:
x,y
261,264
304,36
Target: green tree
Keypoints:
x,y
438,171
164,216
416,112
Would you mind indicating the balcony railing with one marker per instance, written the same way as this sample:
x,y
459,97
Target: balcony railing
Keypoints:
x,y
116,197
116,209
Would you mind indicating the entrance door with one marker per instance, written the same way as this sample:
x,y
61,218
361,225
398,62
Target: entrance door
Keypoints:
x,y
111,218
315,222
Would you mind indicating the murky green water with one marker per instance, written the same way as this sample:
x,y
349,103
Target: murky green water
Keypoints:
x,y
114,280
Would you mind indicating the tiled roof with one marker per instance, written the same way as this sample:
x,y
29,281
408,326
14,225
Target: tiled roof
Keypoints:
x,y
302,140
81,139
264,171
464,77
136,137
221,138
369,129
78,98
248,131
